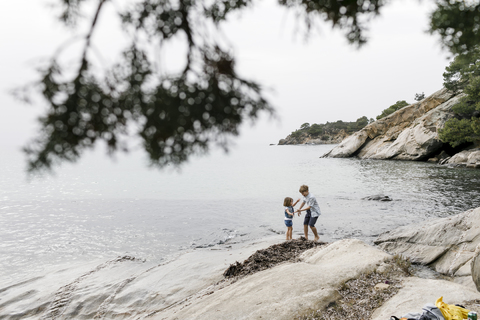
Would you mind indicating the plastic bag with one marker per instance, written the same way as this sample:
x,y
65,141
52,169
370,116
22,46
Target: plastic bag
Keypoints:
x,y
450,311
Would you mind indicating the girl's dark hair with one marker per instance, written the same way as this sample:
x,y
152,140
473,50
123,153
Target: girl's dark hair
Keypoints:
x,y
287,202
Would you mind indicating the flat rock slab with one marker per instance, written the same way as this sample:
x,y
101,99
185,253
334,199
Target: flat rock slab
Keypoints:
x,y
121,288
445,244
286,290
417,292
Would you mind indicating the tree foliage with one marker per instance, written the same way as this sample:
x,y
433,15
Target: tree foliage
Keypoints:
x,y
325,130
457,132
306,125
463,74
419,96
458,24
464,67
179,114
394,107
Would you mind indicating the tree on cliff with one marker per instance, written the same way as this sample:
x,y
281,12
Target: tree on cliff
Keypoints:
x,y
330,128
394,107
463,74
419,96
177,115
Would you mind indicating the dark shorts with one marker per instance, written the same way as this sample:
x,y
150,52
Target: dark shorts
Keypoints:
x,y
309,220
288,223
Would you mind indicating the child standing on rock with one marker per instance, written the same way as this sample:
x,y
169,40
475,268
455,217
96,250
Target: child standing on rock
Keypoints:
x,y
313,211
289,213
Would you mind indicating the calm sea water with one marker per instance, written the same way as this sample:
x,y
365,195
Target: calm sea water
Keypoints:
x,y
99,209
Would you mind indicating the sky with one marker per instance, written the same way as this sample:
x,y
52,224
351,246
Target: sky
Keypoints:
x,y
316,80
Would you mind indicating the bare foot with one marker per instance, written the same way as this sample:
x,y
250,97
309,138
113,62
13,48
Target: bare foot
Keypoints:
x,y
316,239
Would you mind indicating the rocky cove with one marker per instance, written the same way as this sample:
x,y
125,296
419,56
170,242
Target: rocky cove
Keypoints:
x,y
411,133
347,278
288,280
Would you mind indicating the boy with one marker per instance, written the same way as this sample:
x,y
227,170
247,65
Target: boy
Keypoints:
x,y
313,211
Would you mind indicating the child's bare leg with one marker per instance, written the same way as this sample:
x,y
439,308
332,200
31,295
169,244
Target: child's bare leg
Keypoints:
x,y
305,230
314,230
286,233
291,233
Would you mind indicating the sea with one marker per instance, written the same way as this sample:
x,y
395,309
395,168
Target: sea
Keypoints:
x,y
102,208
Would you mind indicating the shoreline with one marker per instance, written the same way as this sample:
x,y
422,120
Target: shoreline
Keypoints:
x,y
127,287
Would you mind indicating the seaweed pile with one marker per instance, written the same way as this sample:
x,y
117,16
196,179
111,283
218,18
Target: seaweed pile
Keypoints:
x,y
360,297
271,256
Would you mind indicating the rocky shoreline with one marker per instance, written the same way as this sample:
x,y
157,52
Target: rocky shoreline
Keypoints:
x,y
411,133
321,281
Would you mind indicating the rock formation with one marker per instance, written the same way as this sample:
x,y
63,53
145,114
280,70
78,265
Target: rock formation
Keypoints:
x,y
467,158
445,244
121,288
308,139
417,292
407,134
475,268
289,289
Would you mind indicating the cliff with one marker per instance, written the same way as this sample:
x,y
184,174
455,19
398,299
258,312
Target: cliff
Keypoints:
x,y
410,133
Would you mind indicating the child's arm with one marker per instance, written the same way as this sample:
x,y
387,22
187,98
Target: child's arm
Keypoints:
x,y
295,203
300,209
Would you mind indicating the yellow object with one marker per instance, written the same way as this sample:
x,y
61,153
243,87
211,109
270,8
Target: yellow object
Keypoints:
x,y
450,311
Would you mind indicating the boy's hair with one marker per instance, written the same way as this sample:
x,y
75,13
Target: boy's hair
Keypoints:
x,y
287,202
303,188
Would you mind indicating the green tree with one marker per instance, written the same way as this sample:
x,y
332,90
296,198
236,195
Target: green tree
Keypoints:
x,y
296,133
463,74
361,122
462,69
419,96
316,129
305,126
457,132
177,115
394,107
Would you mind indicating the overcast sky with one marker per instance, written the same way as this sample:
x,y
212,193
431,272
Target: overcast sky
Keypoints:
x,y
317,81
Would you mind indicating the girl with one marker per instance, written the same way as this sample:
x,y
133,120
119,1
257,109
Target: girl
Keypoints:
x,y
287,203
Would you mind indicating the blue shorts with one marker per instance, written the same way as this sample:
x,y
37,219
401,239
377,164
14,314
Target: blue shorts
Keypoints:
x,y
309,220
288,223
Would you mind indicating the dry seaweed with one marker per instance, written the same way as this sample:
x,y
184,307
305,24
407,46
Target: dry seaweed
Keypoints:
x,y
270,257
359,297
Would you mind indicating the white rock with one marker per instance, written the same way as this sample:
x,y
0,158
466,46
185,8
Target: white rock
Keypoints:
x,y
446,244
410,133
475,268
381,286
288,289
417,292
119,288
